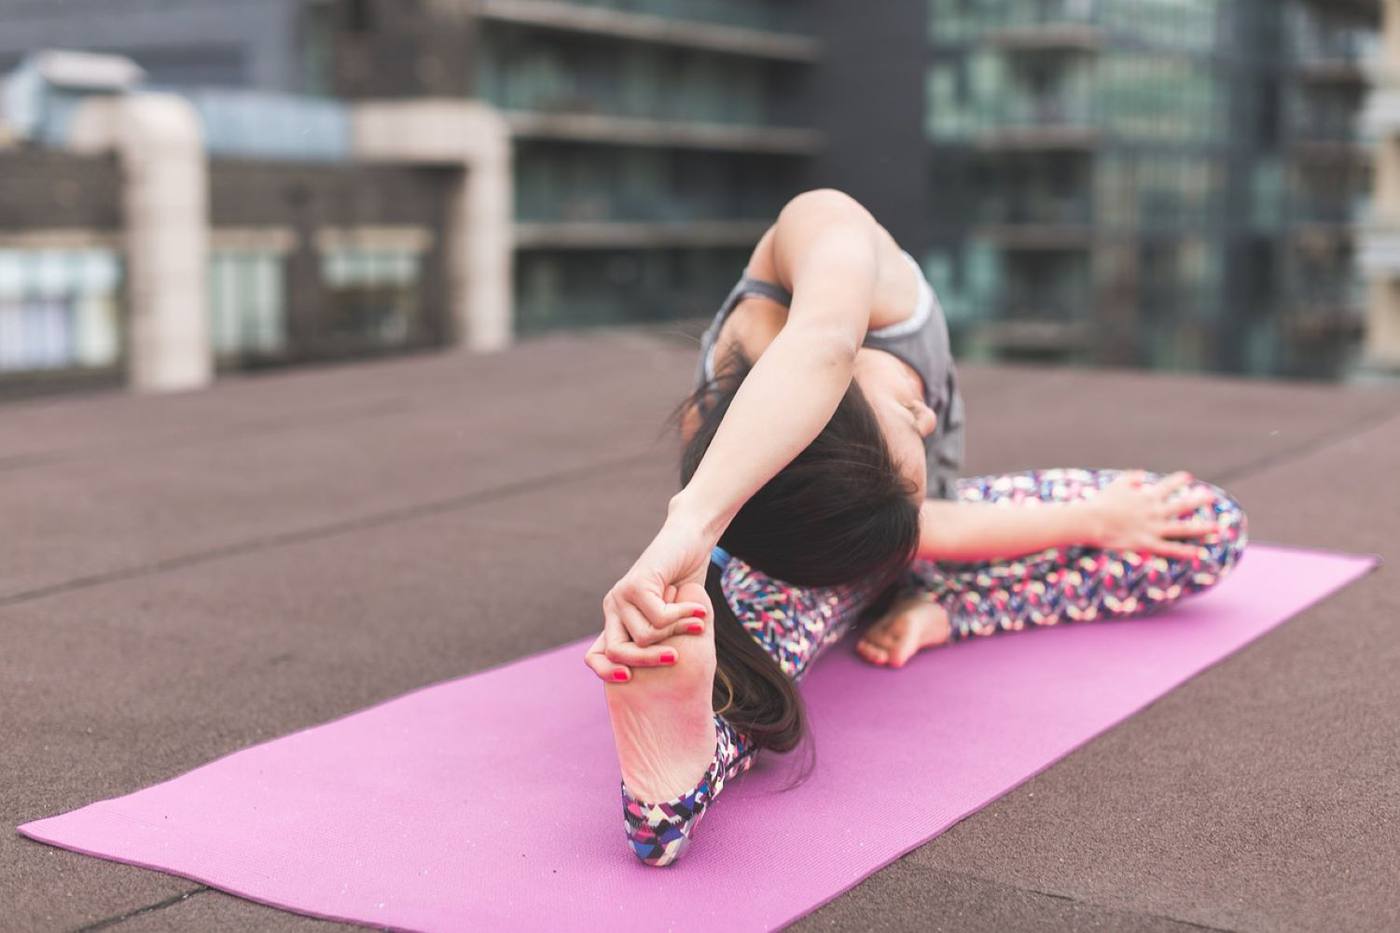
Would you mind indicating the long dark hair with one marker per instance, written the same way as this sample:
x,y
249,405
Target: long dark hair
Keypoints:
x,y
839,513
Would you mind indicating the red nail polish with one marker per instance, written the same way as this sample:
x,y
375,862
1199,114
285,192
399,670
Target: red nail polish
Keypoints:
x,y
620,675
668,657
699,613
695,628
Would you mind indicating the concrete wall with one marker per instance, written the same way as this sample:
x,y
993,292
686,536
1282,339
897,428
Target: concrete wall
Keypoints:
x,y
868,97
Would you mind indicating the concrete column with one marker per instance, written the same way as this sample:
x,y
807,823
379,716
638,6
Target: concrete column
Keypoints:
x,y
479,242
165,208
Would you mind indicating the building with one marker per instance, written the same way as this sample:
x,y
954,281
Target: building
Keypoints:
x,y
654,141
1173,183
1167,183
1381,249
649,145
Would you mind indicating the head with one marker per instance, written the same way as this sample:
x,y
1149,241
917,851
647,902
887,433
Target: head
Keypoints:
x,y
844,510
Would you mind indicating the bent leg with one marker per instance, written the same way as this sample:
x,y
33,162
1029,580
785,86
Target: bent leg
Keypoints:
x,y
1075,583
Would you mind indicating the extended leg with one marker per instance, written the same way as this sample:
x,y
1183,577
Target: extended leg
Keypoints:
x,y
793,625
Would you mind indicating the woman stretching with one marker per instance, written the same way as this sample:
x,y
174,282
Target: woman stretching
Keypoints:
x,y
819,491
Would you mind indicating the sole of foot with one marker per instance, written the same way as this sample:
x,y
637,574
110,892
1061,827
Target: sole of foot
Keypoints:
x,y
663,721
908,628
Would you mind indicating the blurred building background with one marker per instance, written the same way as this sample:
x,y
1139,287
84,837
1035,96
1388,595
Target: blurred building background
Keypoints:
x,y
1166,183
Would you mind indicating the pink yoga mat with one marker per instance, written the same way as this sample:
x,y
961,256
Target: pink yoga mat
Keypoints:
x,y
492,801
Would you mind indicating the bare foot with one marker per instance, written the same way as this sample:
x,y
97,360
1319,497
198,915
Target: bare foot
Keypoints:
x,y
911,625
663,723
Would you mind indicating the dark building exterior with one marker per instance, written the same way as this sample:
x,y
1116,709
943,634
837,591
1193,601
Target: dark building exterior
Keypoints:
x,y
1171,183
1146,182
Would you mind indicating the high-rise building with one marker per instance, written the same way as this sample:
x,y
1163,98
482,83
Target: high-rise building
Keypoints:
x,y
1159,182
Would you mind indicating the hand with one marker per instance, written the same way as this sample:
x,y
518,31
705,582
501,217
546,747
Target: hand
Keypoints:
x,y
681,599
1133,515
640,609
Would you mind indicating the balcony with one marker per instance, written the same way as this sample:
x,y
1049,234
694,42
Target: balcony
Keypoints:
x,y
639,234
1072,25
633,131
1037,221
1039,121
1330,51
731,28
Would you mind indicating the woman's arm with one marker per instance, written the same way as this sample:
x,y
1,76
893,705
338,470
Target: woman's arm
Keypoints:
x,y
824,245
1126,515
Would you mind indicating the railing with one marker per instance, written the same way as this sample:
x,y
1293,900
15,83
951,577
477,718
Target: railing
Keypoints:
x,y
1318,40
644,87
1035,208
1190,26
754,14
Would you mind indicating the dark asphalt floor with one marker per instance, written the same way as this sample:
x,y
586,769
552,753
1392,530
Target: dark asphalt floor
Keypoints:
x,y
183,576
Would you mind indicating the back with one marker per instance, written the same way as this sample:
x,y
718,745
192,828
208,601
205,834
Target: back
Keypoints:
x,y
921,341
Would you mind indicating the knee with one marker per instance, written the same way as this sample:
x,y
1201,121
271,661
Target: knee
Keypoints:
x,y
1226,544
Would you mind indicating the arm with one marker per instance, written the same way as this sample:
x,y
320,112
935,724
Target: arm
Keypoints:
x,y
824,245
977,531
1128,514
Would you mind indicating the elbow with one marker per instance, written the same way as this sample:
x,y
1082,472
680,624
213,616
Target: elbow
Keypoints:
x,y
832,348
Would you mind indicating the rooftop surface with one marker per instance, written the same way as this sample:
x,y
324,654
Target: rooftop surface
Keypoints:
x,y
184,576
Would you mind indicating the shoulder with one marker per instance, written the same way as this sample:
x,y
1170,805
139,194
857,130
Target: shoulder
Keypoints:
x,y
817,216
826,238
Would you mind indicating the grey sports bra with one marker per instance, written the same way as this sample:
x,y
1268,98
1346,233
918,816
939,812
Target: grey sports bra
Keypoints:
x,y
921,341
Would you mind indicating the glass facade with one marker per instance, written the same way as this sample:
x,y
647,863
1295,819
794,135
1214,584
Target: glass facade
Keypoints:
x,y
598,187
59,309
573,183
558,288
373,296
1155,176
247,303
520,68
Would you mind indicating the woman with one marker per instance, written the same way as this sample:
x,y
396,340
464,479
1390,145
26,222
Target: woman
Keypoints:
x,y
819,490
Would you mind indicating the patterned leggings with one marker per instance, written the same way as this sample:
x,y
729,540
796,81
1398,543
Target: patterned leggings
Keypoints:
x,y
796,624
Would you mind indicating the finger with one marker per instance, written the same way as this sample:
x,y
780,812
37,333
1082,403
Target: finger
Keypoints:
x,y
1172,483
621,649
1194,501
670,594
1175,549
598,662
638,626
663,619
1187,529
685,618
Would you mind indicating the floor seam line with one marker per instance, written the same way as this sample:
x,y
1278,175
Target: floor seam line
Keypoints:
x,y
159,905
331,530
1077,900
1352,430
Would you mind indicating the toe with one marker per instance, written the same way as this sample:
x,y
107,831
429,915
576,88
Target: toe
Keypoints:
x,y
871,651
905,648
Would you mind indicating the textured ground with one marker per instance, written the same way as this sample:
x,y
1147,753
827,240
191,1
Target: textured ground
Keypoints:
x,y
183,576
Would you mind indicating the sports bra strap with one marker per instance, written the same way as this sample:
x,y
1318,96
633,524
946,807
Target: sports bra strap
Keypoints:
x,y
749,286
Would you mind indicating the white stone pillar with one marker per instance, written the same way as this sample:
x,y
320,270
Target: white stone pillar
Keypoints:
x,y
165,206
479,242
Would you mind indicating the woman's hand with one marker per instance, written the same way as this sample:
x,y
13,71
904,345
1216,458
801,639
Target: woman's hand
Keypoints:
x,y
642,608
1133,515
